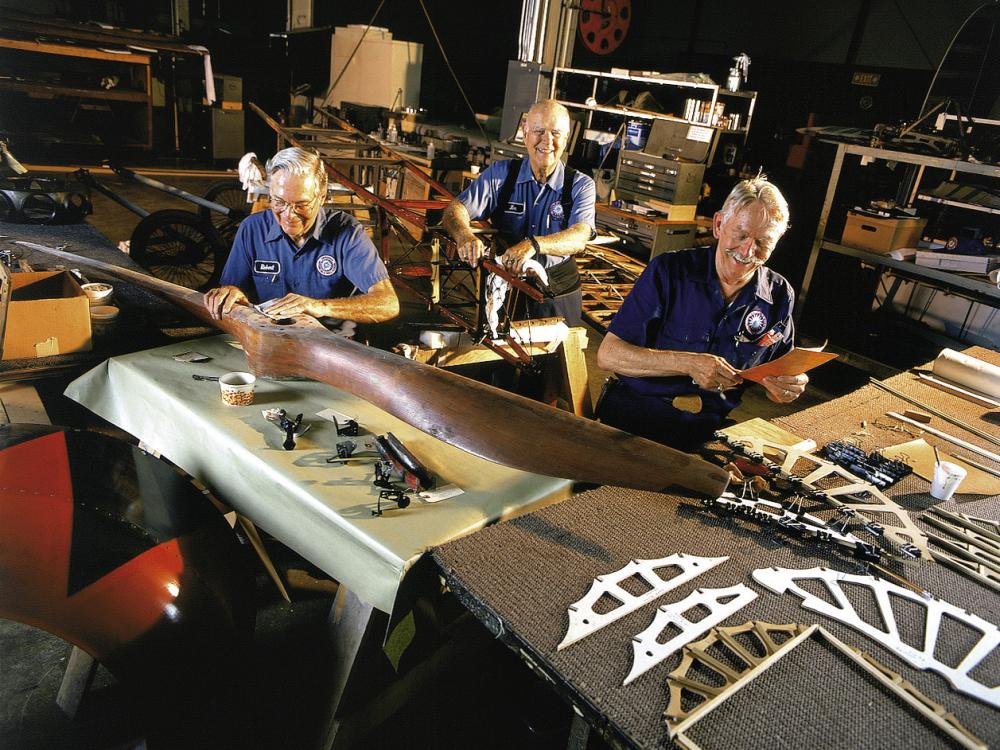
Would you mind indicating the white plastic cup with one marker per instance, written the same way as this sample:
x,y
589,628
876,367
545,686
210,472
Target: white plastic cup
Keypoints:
x,y
947,477
237,388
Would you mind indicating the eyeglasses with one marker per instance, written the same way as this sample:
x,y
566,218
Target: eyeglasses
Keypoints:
x,y
279,205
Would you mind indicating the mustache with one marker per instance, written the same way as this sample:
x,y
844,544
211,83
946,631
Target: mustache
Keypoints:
x,y
746,260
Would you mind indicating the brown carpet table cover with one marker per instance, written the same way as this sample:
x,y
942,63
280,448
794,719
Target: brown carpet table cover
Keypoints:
x,y
520,577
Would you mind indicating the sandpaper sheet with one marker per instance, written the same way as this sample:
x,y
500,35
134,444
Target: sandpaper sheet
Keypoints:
x,y
795,362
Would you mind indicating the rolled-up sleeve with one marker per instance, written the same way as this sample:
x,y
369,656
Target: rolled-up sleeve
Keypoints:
x,y
584,197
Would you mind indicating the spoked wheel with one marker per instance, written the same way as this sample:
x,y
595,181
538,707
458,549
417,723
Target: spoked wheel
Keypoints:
x,y
179,247
7,210
229,193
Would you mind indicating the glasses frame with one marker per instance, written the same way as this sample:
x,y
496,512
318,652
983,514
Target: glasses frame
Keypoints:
x,y
300,208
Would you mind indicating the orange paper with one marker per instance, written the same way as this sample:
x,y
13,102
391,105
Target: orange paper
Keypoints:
x,y
795,362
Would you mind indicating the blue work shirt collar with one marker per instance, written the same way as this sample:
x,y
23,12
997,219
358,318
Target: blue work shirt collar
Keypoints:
x,y
555,181
275,232
760,280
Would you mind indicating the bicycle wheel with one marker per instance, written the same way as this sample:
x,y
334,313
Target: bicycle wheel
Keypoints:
x,y
179,247
229,193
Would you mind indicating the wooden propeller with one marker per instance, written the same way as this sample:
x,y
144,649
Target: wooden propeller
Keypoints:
x,y
488,422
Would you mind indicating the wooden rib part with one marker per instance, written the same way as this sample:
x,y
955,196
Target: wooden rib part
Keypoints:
x,y
697,654
490,423
736,678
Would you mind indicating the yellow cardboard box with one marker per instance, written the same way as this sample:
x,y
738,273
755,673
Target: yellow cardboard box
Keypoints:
x,y
48,314
881,235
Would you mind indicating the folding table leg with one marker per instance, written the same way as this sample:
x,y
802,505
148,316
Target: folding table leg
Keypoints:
x,y
357,629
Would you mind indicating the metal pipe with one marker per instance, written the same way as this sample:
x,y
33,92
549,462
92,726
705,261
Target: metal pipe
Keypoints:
x,y
83,176
542,30
157,185
937,412
945,436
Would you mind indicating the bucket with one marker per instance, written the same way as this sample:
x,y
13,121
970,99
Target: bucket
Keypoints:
x,y
636,133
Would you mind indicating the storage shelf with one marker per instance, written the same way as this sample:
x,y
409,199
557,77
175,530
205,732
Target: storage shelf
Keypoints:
x,y
48,48
959,204
45,91
705,95
56,60
948,279
711,87
935,162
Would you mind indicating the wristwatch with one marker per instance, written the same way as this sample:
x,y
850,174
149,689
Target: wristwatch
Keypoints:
x,y
534,244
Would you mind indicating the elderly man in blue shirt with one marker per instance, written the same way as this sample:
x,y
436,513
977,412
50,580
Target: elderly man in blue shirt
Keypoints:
x,y
300,257
695,319
542,209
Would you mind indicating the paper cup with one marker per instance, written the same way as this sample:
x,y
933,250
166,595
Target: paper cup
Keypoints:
x,y
947,477
237,388
98,294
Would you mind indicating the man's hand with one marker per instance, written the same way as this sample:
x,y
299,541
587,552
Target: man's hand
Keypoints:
x,y
221,300
513,259
783,389
470,248
296,304
712,373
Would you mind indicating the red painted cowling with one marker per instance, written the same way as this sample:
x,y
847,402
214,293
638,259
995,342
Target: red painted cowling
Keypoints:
x,y
122,555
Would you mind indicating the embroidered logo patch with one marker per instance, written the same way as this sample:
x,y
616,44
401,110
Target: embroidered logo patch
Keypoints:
x,y
267,267
514,207
556,211
755,322
326,265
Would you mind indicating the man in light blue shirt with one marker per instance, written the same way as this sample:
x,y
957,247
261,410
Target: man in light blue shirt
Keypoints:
x,y
543,211
302,257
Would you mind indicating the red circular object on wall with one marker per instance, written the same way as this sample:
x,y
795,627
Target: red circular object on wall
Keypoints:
x,y
604,24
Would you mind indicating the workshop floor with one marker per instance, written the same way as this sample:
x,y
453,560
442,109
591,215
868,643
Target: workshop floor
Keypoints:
x,y
490,701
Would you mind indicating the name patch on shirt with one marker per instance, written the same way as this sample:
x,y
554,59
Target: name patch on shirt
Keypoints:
x,y
771,337
514,207
326,265
267,267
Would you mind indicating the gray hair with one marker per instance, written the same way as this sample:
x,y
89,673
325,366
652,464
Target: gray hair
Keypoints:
x,y
298,161
758,190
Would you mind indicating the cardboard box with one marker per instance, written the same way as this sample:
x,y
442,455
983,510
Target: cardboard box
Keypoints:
x,y
881,235
954,262
48,314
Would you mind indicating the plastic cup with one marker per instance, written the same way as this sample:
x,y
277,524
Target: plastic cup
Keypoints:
x,y
237,388
947,477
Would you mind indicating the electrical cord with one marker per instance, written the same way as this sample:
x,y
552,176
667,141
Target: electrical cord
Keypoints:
x,y
452,70
343,70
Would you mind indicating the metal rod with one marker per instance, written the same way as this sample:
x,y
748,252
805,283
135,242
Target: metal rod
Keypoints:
x,y
84,176
936,412
945,436
157,185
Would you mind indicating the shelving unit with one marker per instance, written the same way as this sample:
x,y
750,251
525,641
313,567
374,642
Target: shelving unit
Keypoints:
x,y
917,167
573,88
50,71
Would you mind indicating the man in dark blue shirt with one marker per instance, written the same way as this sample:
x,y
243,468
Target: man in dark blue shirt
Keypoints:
x,y
695,319
541,216
302,258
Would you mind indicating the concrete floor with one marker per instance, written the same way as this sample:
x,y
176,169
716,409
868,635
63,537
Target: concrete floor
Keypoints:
x,y
492,701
